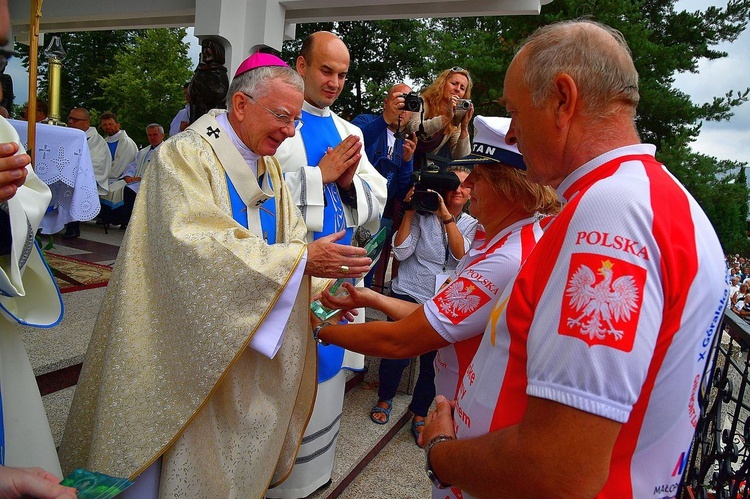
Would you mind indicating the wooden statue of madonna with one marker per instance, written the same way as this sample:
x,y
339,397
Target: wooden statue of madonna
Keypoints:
x,y
209,85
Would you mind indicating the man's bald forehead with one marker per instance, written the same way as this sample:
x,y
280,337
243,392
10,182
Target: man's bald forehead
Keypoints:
x,y
314,43
400,87
80,113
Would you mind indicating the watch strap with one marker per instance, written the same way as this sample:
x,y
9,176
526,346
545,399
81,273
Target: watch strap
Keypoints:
x,y
428,467
316,333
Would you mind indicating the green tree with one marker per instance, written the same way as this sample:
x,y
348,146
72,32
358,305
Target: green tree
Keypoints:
x,y
742,183
382,53
480,45
90,57
145,84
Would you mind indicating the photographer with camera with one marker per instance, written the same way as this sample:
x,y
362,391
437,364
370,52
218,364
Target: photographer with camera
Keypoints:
x,y
390,151
388,148
443,123
429,245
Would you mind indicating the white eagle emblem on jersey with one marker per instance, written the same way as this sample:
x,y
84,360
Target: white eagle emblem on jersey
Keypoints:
x,y
601,303
458,299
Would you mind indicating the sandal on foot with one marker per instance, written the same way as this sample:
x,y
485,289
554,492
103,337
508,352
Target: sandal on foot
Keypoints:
x,y
381,410
415,432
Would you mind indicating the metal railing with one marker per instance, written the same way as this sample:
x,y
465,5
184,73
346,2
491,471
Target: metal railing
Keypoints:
x,y
718,466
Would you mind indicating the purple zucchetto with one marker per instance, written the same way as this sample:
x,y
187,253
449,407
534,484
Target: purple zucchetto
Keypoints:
x,y
259,60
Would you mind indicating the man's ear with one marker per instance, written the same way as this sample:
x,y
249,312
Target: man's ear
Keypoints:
x,y
565,99
239,105
301,65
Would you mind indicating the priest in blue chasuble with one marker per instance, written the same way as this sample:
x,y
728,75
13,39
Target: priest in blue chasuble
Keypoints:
x,y
337,189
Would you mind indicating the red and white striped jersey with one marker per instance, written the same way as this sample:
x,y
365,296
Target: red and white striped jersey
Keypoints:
x,y
613,314
459,312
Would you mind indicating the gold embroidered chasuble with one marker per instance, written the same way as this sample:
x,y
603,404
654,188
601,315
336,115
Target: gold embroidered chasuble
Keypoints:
x,y
168,371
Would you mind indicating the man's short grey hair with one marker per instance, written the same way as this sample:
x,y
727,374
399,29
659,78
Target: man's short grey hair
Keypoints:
x,y
601,66
155,125
260,81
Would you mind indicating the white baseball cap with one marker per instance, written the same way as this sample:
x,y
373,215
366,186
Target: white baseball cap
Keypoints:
x,y
489,144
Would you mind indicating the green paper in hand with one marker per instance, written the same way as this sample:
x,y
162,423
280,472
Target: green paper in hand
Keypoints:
x,y
93,485
373,247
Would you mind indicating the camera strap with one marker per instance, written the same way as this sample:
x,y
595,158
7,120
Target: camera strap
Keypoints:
x,y
421,122
447,249
445,240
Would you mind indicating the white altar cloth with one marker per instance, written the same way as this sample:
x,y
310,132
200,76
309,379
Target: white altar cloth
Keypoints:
x,y
63,162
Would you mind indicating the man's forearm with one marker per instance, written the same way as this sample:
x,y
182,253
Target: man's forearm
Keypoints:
x,y
497,466
556,451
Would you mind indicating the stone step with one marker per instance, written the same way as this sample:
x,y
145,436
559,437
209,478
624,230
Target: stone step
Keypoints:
x,y
53,349
371,461
359,470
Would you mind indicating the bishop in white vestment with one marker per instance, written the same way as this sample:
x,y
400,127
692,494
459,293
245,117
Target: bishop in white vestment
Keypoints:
x,y
202,360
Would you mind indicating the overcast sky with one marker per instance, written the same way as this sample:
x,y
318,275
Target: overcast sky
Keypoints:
x,y
725,140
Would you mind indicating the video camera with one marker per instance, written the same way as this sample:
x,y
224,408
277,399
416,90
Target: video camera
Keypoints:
x,y
431,178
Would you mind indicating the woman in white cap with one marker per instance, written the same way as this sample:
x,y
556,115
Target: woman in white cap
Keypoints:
x,y
511,213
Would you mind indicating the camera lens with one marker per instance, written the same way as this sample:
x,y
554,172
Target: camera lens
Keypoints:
x,y
412,102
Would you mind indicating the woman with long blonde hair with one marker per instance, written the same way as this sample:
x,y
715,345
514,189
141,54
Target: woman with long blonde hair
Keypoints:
x,y
443,126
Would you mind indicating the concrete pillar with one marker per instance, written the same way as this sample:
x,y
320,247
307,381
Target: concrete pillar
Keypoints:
x,y
241,26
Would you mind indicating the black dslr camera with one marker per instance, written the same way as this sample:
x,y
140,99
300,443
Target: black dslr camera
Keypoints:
x,y
412,102
432,178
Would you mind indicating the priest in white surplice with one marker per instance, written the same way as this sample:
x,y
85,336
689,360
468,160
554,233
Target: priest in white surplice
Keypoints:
x,y
122,147
337,189
100,155
122,151
200,373
135,171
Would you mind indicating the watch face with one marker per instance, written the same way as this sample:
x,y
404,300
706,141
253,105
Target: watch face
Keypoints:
x,y
435,480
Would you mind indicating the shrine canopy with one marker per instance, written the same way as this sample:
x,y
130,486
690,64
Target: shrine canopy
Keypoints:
x,y
242,25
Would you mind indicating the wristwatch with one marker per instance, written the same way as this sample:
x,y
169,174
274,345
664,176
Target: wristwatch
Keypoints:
x,y
428,468
451,220
316,332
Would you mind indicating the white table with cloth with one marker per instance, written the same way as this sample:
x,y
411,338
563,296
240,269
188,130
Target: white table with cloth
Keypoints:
x,y
63,162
